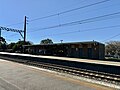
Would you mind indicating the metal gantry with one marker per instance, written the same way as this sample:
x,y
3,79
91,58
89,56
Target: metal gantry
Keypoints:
x,y
12,30
16,30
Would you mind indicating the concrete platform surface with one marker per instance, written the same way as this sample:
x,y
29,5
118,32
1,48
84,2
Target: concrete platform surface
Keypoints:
x,y
68,59
15,76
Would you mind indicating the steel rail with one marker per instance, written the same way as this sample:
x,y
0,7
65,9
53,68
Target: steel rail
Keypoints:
x,y
95,75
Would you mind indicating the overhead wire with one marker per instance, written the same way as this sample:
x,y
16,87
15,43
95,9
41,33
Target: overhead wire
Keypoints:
x,y
71,10
6,37
103,17
93,19
22,22
60,13
111,37
66,24
86,30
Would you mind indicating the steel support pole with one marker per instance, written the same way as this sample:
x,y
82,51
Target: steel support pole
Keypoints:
x,y
24,33
0,33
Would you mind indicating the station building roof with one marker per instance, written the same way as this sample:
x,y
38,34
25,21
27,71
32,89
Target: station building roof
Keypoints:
x,y
67,43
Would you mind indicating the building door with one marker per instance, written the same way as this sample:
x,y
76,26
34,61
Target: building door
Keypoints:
x,y
89,52
81,52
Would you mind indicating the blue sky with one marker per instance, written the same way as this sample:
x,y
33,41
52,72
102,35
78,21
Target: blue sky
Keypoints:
x,y
13,12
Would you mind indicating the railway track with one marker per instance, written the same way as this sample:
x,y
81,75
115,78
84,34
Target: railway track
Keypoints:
x,y
114,79
95,75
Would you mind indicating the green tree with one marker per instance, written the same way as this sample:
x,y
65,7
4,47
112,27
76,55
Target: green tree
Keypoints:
x,y
10,46
46,41
3,44
18,47
2,40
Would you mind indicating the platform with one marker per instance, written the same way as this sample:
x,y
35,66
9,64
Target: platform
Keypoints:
x,y
109,67
68,59
15,76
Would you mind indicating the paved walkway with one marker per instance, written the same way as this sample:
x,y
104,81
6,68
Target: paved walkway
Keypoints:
x,y
14,76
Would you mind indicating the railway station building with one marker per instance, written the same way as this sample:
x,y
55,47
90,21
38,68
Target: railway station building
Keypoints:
x,y
88,50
